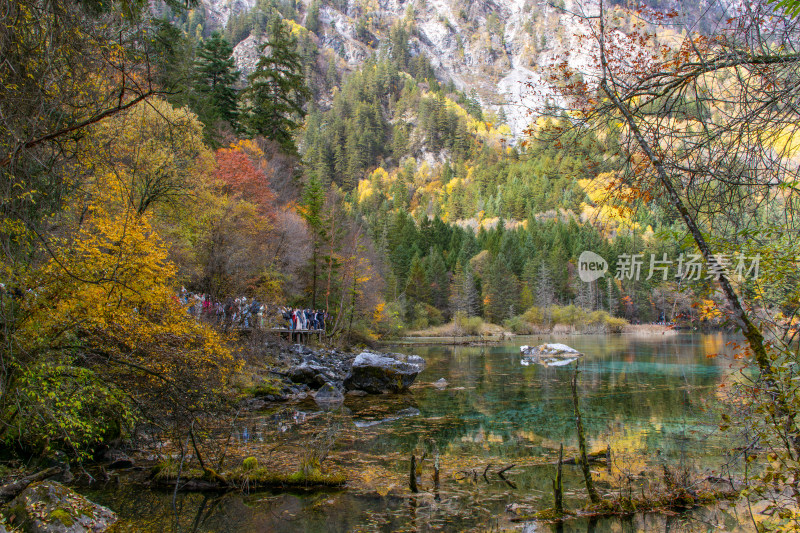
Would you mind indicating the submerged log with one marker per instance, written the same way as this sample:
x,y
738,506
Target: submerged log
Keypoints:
x,y
599,457
504,470
261,478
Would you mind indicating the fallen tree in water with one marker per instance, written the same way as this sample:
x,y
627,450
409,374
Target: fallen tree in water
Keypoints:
x,y
671,493
677,500
10,490
166,475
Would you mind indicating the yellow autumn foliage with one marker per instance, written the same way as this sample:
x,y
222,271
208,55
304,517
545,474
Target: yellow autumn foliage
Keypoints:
x,y
154,154
103,339
610,202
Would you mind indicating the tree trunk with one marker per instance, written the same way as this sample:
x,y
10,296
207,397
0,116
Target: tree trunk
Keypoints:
x,y
751,333
587,474
558,488
10,490
412,475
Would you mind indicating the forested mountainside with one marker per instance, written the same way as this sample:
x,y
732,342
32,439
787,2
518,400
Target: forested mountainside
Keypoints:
x,y
493,51
414,122
411,122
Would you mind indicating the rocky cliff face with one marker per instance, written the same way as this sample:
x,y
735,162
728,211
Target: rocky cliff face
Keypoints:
x,y
492,49
219,11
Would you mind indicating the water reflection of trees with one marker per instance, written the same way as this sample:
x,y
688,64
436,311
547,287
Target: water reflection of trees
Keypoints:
x,y
658,390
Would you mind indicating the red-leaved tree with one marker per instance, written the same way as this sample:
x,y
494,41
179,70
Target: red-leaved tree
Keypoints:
x,y
241,178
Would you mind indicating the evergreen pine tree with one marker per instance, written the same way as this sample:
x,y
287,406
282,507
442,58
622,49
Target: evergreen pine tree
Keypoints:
x,y
502,292
525,298
612,296
215,76
173,54
544,287
457,300
313,201
312,18
417,289
472,304
436,273
277,90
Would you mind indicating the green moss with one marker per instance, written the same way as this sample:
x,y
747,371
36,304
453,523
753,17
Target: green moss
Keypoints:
x,y
297,479
264,388
677,499
251,463
546,515
256,477
209,474
62,516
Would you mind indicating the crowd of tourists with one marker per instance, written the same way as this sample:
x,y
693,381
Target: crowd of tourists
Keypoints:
x,y
304,318
249,312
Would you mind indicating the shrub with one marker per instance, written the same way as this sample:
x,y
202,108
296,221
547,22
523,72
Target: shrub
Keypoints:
x,y
387,319
468,325
535,315
426,315
567,315
249,464
519,325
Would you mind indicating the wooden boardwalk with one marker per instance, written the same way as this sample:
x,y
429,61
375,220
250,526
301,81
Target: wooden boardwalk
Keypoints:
x,y
299,335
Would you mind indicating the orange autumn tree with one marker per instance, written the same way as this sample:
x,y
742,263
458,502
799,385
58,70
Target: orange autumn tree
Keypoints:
x,y
239,176
238,217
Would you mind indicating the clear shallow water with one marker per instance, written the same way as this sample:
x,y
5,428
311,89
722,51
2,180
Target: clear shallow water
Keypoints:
x,y
651,400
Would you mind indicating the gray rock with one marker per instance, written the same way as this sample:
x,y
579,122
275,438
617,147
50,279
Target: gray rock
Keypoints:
x,y
550,354
50,507
328,394
440,383
117,459
309,373
412,359
379,373
301,349
258,403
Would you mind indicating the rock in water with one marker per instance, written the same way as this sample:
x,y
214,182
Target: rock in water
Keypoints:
x,y
50,507
550,354
328,394
379,373
440,384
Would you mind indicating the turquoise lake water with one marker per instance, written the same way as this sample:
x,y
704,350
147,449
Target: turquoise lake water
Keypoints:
x,y
653,401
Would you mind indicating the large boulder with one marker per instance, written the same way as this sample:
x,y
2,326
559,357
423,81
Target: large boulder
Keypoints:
x,y
50,507
550,354
380,373
311,374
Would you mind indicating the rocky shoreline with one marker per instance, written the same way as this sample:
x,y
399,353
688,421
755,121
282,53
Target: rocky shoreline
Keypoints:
x,y
328,375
